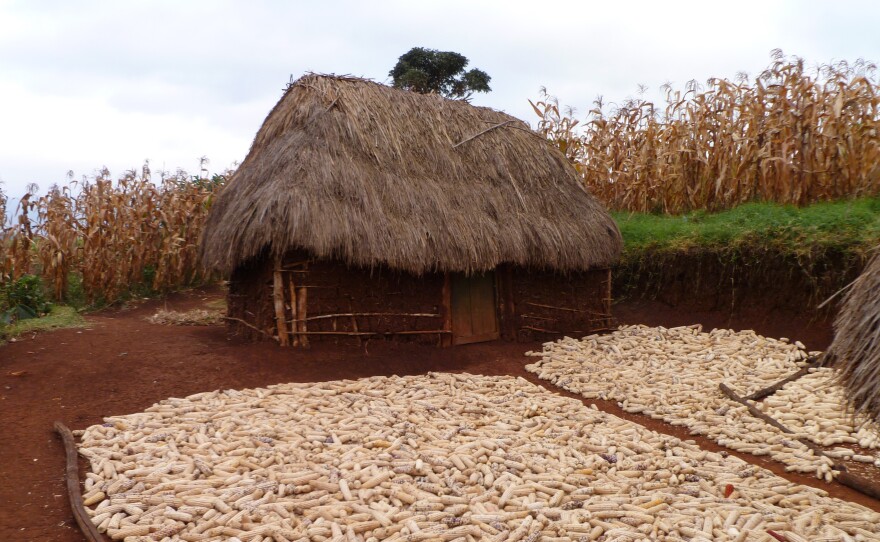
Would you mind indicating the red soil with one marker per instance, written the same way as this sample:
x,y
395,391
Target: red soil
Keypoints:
x,y
122,364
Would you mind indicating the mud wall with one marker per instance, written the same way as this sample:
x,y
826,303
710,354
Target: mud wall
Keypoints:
x,y
249,299
349,305
732,280
340,301
548,304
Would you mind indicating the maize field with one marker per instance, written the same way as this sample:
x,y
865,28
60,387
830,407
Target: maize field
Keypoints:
x,y
793,135
112,234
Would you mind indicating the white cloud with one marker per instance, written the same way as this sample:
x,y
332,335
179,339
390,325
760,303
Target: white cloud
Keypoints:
x,y
105,82
55,134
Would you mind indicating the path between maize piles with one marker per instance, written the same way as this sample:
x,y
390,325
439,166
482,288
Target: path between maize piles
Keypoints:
x,y
122,364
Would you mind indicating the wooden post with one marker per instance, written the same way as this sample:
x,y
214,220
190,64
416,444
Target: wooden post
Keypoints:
x,y
506,307
278,298
302,311
499,302
608,298
354,322
294,325
446,310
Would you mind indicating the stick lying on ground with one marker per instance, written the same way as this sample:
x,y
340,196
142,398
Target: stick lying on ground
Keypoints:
x,y
756,412
770,390
73,490
853,481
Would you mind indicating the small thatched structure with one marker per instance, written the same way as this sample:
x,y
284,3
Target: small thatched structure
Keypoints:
x,y
360,207
856,346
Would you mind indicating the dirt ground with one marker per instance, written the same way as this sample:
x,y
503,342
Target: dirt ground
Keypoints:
x,y
122,364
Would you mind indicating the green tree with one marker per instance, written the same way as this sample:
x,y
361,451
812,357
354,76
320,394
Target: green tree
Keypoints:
x,y
442,72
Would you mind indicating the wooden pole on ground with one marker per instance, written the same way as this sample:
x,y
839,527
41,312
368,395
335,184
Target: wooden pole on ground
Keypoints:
x,y
756,412
73,492
770,390
862,485
255,328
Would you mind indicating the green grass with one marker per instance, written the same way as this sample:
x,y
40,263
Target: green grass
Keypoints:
x,y
60,316
851,226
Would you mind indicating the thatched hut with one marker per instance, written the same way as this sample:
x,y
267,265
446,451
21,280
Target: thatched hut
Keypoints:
x,y
856,347
363,210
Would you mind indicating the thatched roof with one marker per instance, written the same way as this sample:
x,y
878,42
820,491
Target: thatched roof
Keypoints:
x,y
856,346
351,169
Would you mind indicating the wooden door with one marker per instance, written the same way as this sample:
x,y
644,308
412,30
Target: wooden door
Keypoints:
x,y
474,318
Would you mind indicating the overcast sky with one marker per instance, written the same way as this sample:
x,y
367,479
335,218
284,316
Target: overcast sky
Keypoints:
x,y
85,84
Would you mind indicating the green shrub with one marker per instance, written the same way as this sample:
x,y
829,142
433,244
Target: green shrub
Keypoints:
x,y
23,298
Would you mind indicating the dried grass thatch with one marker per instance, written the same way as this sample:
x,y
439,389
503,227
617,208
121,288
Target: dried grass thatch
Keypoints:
x,y
856,346
358,171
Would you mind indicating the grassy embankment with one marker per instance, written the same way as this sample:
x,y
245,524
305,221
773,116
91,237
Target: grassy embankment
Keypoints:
x,y
808,253
852,226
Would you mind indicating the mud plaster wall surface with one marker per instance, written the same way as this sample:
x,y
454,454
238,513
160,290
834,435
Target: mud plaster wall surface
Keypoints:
x,y
539,304
334,288
540,298
734,280
250,299
337,289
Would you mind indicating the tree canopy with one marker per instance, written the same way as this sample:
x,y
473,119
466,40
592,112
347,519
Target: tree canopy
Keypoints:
x,y
443,72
